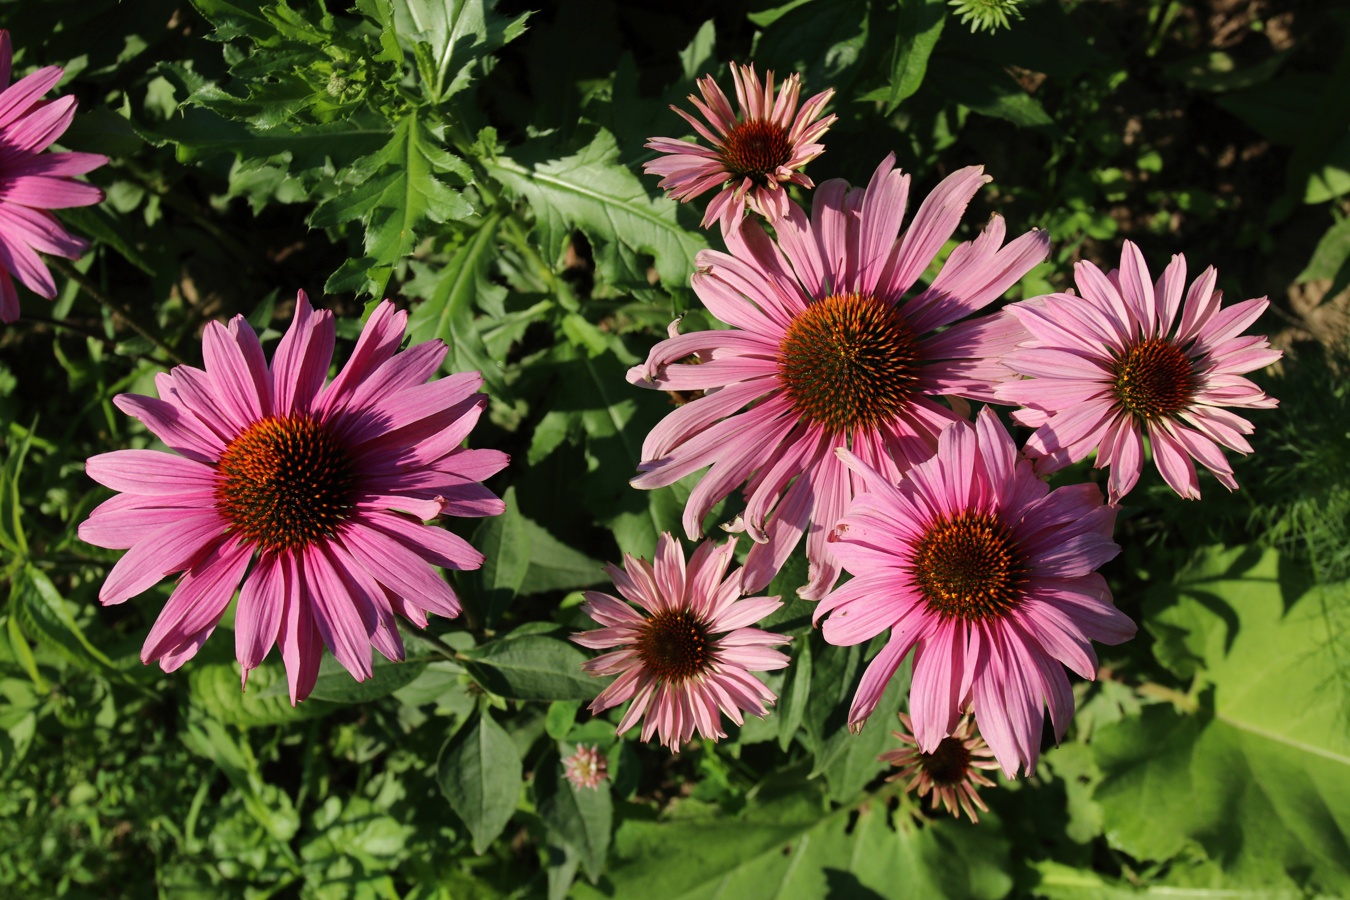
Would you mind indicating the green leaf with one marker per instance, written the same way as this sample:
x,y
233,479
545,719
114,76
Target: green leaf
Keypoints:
x,y
580,819
554,566
214,688
480,774
1331,259
336,685
506,551
987,89
270,807
792,705
1259,774
697,58
592,191
849,761
454,36
42,611
561,716
395,190
920,27
794,847
532,667
824,40
448,314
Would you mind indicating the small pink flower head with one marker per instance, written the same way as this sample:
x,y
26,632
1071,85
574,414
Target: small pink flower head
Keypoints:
x,y
1131,356
321,489
587,767
753,155
829,347
689,651
32,182
989,576
951,772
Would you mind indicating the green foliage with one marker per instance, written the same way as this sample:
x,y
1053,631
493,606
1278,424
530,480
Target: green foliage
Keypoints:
x,y
793,845
479,773
481,165
1260,783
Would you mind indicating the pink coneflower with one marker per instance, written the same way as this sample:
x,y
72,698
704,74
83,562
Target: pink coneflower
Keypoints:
x,y
989,575
951,772
587,767
690,651
753,155
32,182
1107,366
825,352
323,488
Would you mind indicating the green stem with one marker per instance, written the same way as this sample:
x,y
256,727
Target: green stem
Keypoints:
x,y
117,309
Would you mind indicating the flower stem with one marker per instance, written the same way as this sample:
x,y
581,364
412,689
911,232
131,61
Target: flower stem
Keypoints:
x,y
117,309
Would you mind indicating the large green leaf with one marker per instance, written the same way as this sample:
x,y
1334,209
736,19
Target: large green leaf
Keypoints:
x,y
479,772
794,846
1259,774
921,24
336,685
591,190
579,819
532,667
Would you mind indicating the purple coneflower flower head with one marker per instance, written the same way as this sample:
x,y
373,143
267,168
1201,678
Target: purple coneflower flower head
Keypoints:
x,y
826,351
687,652
312,495
1131,357
753,156
587,767
951,772
989,576
32,182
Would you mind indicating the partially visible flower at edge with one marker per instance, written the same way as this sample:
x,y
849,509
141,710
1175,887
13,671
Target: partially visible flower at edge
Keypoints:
x,y
989,576
753,157
587,767
690,650
951,772
1104,368
323,488
32,182
827,351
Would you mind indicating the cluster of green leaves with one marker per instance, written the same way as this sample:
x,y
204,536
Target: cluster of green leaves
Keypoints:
x,y
482,164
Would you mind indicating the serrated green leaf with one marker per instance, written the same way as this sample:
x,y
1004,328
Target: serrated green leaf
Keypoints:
x,y
578,818
479,772
592,191
1259,774
448,314
532,667
453,36
398,188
